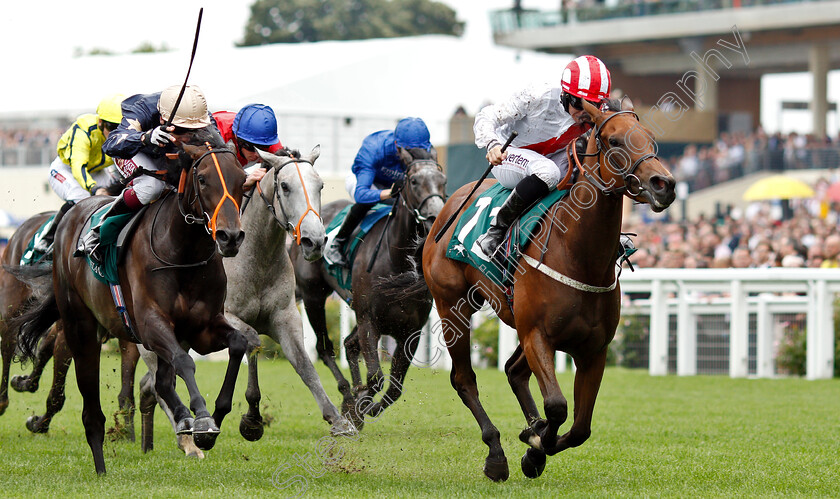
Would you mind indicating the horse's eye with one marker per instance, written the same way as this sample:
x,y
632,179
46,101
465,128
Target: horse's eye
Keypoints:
x,y
414,181
615,142
285,187
201,180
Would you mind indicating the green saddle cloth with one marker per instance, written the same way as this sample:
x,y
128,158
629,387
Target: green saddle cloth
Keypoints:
x,y
344,275
476,220
108,233
30,255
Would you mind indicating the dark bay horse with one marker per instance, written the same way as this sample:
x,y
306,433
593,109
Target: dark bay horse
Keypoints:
x,y
14,295
565,296
415,210
174,285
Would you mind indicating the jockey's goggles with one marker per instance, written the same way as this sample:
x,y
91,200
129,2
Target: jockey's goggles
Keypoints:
x,y
574,101
109,125
252,147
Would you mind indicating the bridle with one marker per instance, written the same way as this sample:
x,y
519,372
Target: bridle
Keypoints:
x,y
208,220
593,173
287,225
415,211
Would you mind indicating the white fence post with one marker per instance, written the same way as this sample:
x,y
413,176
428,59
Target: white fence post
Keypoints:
x,y
658,351
764,338
739,335
820,347
344,328
309,339
686,335
508,340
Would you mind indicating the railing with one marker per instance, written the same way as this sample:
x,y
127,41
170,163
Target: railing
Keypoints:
x,y
509,20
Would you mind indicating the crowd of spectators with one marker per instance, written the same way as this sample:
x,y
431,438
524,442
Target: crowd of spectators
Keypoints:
x,y
756,237
734,155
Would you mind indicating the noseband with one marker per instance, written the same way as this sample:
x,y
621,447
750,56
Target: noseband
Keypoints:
x,y
595,178
415,211
206,219
287,225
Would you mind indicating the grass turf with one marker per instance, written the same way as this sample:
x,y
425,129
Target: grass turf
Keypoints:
x,y
703,436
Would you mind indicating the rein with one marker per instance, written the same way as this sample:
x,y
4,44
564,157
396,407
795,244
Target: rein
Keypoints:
x,y
418,217
287,225
596,177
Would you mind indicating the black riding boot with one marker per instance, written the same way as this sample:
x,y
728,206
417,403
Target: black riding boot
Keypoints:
x,y
47,239
335,252
90,243
528,191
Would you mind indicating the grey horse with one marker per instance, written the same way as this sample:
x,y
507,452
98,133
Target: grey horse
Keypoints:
x,y
261,287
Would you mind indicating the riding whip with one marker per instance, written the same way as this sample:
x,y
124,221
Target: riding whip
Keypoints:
x,y
184,86
475,187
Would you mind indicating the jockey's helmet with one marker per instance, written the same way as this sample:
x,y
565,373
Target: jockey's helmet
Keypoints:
x,y
191,112
412,133
109,108
588,78
256,123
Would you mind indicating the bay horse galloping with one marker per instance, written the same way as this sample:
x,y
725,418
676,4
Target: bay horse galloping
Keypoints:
x,y
565,295
414,212
174,285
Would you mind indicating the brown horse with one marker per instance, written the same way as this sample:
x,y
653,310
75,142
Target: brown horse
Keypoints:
x,y
420,201
174,285
14,295
565,295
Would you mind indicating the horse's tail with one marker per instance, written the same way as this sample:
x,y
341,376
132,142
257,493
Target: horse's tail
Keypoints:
x,y
409,285
39,313
36,277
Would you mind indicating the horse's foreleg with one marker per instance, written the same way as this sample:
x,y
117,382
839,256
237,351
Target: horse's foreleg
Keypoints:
x,y
237,346
148,402
288,329
588,378
540,356
55,400
518,374
352,350
403,356
43,354
204,428
457,337
129,355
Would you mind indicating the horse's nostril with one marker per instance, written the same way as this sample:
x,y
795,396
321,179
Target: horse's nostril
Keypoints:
x,y
222,237
306,242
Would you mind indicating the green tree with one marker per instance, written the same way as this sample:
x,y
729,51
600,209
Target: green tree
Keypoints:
x,y
294,21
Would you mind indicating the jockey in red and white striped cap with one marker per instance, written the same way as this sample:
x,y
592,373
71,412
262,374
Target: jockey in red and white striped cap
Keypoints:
x,y
547,118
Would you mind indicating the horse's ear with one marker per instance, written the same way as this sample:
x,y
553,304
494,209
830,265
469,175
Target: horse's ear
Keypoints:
x,y
433,152
193,151
230,145
314,154
626,104
405,156
595,113
268,158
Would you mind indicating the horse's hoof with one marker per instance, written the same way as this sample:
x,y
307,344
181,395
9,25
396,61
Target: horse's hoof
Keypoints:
x,y
496,469
36,424
251,428
204,433
22,383
3,405
533,463
343,428
184,426
531,435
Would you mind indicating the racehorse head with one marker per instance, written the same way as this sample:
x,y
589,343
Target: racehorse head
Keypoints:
x,y
212,188
297,199
627,160
424,187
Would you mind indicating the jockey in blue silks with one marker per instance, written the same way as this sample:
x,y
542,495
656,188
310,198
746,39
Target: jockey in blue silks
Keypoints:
x,y
376,170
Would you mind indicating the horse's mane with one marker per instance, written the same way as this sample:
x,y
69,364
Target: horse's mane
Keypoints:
x,y
420,153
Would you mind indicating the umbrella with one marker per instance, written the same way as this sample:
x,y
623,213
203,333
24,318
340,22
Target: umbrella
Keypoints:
x,y
778,187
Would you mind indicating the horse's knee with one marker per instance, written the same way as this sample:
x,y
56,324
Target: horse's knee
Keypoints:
x,y
556,409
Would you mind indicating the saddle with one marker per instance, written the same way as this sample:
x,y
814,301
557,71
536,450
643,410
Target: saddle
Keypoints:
x,y
115,234
344,275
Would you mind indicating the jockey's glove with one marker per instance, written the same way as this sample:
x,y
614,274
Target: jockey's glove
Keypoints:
x,y
157,136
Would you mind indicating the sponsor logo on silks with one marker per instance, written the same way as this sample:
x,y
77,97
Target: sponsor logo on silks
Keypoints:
x,y
392,173
516,159
57,175
97,269
126,166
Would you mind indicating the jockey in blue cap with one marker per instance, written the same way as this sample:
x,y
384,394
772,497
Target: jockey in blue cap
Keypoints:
x,y
376,170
